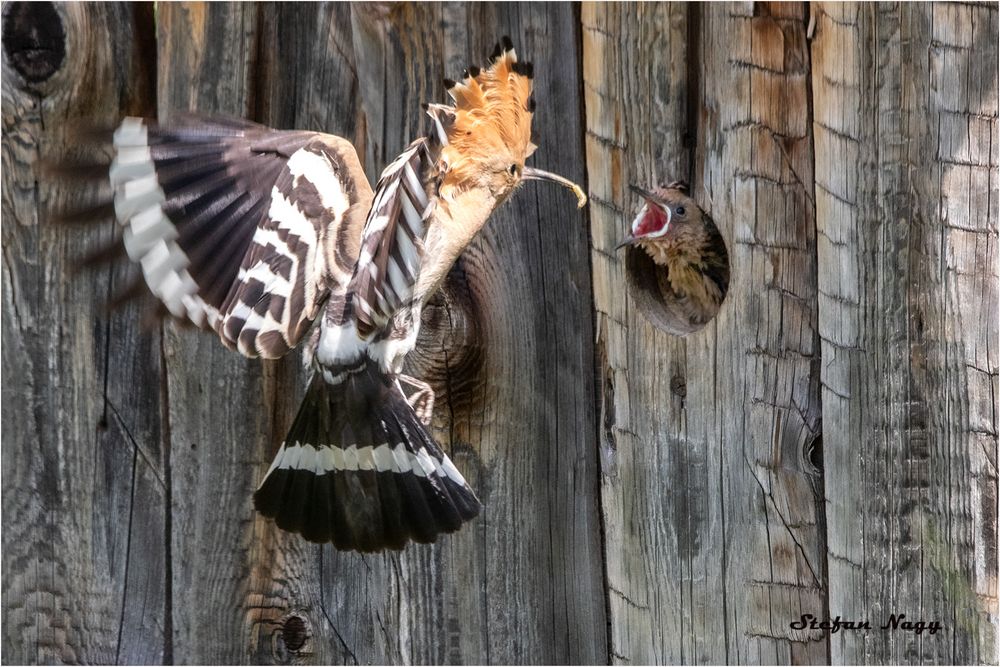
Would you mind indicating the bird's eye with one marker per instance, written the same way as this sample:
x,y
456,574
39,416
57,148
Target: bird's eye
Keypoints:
x,y
513,169
679,210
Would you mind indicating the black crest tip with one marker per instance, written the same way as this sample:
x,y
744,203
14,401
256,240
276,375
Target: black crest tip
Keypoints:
x,y
496,52
524,69
474,71
507,44
449,84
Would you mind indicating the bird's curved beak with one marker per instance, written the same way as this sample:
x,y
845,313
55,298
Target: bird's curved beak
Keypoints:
x,y
532,174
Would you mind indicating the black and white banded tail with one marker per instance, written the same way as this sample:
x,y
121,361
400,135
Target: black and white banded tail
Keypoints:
x,y
360,470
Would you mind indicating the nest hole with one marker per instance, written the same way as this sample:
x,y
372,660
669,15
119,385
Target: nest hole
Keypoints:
x,y
652,294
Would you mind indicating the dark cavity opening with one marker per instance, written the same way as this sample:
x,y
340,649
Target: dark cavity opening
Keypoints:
x,y
650,290
814,452
34,39
294,633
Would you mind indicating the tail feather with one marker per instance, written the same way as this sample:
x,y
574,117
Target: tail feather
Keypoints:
x,y
360,470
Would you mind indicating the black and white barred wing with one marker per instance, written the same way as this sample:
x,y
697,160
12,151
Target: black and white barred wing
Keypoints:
x,y
238,228
392,243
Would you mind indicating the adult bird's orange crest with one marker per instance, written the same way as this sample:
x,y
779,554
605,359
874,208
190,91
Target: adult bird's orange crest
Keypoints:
x,y
486,135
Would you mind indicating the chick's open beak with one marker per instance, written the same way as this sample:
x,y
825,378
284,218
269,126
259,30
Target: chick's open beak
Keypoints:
x,y
645,194
628,240
532,174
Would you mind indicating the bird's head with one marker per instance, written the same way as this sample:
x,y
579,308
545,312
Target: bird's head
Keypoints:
x,y
486,135
668,215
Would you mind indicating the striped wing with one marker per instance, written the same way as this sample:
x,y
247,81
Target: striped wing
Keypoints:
x,y
239,228
392,242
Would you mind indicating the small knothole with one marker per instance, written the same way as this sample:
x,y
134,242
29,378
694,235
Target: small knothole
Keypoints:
x,y
678,385
609,411
34,39
814,453
650,289
294,632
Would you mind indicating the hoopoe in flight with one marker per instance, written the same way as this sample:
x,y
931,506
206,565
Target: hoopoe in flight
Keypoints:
x,y
275,238
680,237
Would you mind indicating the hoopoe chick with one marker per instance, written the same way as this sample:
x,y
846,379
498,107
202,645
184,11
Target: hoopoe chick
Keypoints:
x,y
682,239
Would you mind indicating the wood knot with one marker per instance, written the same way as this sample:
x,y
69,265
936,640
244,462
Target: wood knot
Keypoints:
x,y
449,351
294,632
34,39
678,385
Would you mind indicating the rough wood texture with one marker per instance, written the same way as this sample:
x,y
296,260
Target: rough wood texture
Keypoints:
x,y
906,199
649,497
711,506
83,493
235,575
523,582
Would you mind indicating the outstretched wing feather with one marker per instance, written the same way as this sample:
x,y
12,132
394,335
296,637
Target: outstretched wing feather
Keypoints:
x,y
231,220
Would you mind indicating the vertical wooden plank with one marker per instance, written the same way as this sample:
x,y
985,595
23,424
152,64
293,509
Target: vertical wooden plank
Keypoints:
x,y
906,158
384,606
83,498
712,510
244,591
510,354
654,485
219,422
543,585
755,166
305,79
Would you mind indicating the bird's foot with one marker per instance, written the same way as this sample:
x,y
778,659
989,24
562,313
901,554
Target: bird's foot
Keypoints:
x,y
421,400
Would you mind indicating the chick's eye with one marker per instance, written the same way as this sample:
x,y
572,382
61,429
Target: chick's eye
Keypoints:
x,y
679,210
513,170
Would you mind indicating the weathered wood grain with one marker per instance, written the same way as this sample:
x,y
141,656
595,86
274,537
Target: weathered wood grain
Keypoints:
x,y
755,168
906,197
653,485
522,583
712,511
237,579
863,309
83,494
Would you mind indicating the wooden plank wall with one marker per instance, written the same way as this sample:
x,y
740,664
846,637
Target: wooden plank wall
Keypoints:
x,y
712,517
906,207
82,454
827,445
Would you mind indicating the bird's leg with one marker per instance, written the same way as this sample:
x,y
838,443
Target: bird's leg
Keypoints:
x,y
422,400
